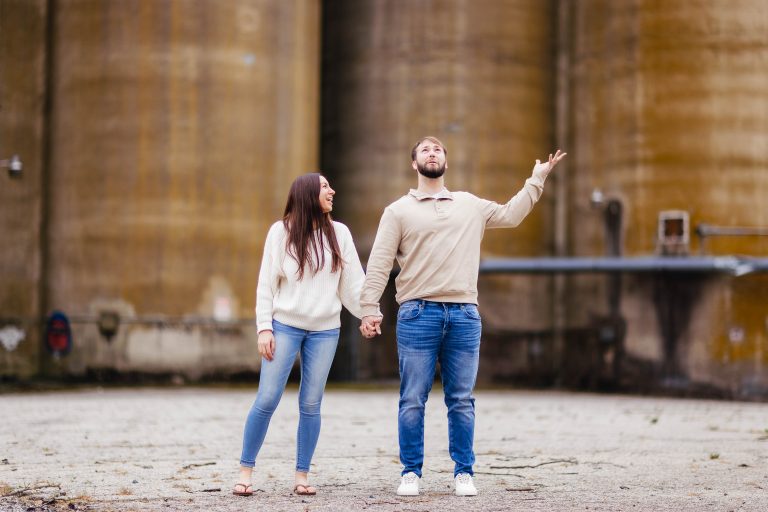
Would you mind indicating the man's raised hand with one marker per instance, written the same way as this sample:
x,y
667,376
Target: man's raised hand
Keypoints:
x,y
543,169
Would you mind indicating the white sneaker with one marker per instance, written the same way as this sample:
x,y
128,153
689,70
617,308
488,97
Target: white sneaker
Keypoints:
x,y
409,485
464,485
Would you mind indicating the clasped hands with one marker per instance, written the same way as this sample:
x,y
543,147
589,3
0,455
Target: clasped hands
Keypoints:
x,y
370,326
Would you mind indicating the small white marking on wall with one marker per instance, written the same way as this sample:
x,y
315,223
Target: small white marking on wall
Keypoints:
x,y
736,335
222,309
11,336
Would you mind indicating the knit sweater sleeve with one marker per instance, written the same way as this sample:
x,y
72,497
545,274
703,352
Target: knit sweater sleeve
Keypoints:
x,y
269,277
512,213
352,275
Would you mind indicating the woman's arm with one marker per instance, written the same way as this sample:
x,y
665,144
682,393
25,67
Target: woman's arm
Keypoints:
x,y
352,275
268,279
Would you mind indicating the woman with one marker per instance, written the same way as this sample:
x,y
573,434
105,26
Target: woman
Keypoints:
x,y
309,269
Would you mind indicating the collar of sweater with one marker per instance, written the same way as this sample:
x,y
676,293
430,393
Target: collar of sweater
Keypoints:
x,y
443,194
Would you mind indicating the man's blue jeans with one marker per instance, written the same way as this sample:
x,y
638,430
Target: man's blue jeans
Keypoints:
x,y
317,350
428,332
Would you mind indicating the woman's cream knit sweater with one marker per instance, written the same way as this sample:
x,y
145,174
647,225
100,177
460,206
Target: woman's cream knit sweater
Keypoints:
x,y
314,303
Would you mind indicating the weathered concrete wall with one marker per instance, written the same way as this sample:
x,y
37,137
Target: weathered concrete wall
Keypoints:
x,y
177,128
22,132
669,109
478,75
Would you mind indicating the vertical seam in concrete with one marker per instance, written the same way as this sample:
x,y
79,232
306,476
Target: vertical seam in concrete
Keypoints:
x,y
45,172
561,115
561,119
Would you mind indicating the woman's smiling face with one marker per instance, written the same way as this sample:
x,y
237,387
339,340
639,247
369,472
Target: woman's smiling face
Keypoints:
x,y
326,195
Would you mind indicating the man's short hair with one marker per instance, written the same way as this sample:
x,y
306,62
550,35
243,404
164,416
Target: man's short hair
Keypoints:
x,y
430,139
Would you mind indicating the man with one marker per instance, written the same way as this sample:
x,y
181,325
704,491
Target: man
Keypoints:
x,y
435,236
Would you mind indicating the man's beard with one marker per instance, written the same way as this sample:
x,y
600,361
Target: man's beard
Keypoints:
x,y
430,173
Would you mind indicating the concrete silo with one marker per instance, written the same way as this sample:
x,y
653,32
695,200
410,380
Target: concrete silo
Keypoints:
x,y
176,129
479,76
22,133
668,110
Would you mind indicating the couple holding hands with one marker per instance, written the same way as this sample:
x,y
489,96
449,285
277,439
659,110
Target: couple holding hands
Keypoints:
x,y
310,268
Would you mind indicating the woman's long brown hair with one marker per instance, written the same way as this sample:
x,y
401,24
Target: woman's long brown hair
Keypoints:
x,y
303,215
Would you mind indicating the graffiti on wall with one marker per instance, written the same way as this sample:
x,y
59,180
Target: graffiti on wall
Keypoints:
x,y
58,334
11,336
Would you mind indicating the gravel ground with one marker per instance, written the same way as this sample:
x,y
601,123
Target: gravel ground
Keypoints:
x,y
177,449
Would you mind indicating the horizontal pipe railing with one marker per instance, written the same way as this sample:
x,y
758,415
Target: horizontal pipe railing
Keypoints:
x,y
143,320
734,265
706,230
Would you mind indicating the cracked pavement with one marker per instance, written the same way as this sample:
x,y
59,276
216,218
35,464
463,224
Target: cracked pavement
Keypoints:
x,y
158,449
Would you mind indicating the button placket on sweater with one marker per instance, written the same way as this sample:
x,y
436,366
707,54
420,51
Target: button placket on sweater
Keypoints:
x,y
441,208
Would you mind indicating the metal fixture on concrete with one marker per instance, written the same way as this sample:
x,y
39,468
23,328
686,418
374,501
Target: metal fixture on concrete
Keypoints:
x,y
673,233
596,198
108,323
14,166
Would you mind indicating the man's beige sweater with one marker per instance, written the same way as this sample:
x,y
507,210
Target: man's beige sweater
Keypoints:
x,y
436,240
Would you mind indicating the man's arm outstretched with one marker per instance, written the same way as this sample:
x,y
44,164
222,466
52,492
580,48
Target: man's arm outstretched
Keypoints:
x,y
512,213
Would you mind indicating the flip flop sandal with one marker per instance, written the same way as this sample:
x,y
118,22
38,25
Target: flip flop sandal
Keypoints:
x,y
247,490
305,492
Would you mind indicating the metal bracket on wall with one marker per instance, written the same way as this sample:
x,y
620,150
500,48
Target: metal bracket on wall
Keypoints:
x,y
14,166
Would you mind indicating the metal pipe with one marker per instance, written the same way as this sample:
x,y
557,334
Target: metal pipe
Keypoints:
x,y
168,321
734,265
161,321
705,230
